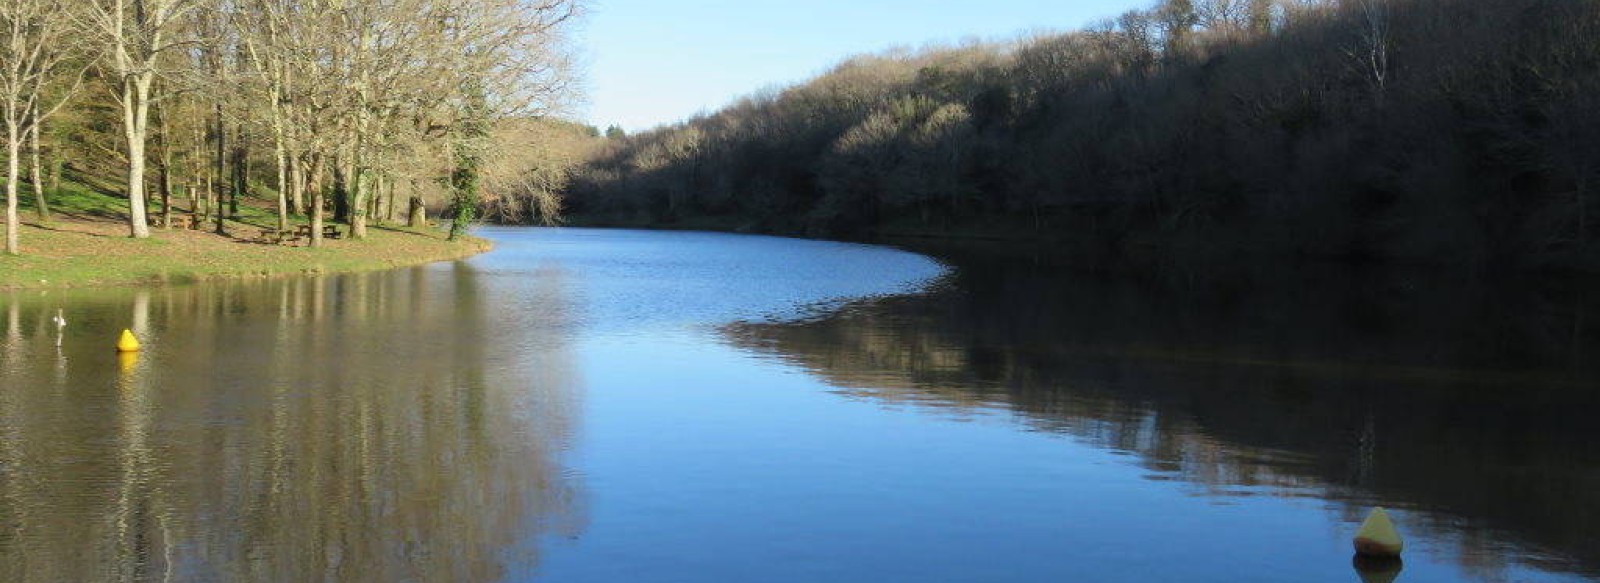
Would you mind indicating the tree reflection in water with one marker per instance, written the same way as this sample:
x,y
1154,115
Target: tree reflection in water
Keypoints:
x,y
378,427
1469,405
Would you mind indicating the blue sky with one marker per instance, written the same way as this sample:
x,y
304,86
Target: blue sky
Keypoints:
x,y
650,62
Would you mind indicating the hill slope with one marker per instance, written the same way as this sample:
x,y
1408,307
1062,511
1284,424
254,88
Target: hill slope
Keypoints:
x,y
1441,131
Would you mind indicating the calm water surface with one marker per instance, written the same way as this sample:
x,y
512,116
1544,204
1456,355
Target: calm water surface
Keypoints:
x,y
587,405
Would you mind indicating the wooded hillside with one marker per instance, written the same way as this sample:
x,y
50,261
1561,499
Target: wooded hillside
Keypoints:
x,y
1442,131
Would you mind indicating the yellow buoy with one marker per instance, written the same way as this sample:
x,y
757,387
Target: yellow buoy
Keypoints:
x,y
127,343
1378,537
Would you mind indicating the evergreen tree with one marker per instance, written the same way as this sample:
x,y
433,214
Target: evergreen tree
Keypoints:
x,y
471,134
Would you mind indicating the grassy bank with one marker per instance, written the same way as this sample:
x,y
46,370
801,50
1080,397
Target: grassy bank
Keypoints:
x,y
85,243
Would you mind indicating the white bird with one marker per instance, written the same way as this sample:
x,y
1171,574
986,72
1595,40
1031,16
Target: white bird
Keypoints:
x,y
61,325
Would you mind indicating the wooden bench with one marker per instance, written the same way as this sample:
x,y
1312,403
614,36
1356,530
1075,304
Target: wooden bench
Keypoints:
x,y
328,232
276,236
179,221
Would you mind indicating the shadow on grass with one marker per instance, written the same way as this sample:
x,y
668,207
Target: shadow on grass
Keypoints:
x,y
84,214
57,228
405,231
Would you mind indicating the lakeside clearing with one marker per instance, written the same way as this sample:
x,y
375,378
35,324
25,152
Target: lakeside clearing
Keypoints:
x,y
86,243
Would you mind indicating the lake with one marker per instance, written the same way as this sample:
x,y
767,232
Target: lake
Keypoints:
x,y
611,405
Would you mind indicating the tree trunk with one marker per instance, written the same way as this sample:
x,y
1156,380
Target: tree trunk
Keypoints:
x,y
13,149
280,151
358,207
375,200
358,203
297,186
315,186
196,191
297,194
135,124
165,180
418,215
150,201
360,163
40,205
388,198
219,172
241,173
282,183
196,187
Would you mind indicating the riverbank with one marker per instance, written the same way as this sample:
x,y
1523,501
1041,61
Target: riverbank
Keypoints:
x,y
1062,242
86,244
993,230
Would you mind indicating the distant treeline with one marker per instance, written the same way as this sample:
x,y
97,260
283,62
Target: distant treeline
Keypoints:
x,y
1443,131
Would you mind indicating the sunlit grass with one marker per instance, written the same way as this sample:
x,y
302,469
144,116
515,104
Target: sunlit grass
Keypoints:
x,y
86,243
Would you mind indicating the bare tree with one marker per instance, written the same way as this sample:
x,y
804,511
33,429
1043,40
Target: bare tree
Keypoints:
x,y
513,64
136,33
1176,20
30,55
1261,16
1370,53
269,54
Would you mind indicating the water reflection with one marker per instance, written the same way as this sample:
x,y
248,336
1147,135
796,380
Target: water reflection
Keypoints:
x,y
1468,407
360,428
1378,570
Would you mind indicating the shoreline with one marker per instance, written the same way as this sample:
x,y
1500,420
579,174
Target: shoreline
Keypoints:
x,y
75,251
1137,255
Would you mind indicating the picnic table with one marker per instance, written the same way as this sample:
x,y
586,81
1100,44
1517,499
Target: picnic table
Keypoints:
x,y
179,221
275,236
328,232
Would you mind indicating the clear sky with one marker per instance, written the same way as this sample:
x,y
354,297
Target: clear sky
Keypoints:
x,y
650,62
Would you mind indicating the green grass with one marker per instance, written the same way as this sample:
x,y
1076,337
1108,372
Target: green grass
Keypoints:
x,y
86,244
92,198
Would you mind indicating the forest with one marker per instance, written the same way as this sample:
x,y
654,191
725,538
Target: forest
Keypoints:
x,y
365,111
1196,132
